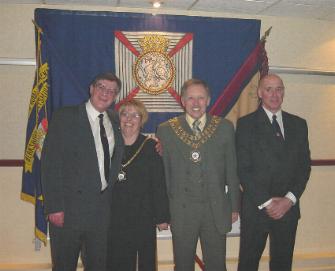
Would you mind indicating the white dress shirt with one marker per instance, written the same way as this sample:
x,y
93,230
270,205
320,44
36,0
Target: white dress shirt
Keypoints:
x,y
95,126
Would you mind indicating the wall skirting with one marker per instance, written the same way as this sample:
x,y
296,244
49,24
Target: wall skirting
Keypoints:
x,y
302,262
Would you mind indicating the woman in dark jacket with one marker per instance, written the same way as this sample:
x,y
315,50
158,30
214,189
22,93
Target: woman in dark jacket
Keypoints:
x,y
139,199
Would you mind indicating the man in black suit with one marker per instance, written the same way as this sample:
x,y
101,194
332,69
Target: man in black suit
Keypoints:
x,y
274,167
77,170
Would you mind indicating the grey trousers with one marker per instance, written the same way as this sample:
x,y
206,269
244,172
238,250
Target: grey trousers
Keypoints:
x,y
197,223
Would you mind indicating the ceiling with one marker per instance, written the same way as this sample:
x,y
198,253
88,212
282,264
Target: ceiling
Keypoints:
x,y
309,9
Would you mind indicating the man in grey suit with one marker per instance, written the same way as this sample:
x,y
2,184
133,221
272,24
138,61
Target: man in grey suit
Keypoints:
x,y
274,167
203,188
77,170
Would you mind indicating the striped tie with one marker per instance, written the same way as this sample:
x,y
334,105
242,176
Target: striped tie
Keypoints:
x,y
196,128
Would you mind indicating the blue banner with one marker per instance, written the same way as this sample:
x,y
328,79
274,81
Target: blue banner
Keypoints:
x,y
82,44
37,129
152,55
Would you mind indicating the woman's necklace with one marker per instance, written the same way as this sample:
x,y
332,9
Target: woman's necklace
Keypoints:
x,y
122,174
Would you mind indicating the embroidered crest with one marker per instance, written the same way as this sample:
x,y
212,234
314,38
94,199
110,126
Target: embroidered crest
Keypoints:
x,y
152,67
153,70
40,136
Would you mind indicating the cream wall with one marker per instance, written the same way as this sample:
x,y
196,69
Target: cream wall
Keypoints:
x,y
299,43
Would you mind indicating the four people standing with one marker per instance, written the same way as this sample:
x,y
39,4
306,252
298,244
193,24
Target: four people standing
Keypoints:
x,y
85,154
200,170
273,166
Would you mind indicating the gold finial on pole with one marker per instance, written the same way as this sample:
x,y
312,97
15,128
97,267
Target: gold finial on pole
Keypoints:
x,y
266,34
39,29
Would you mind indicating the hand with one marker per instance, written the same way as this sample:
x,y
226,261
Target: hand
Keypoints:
x,y
158,146
57,219
163,226
234,217
278,207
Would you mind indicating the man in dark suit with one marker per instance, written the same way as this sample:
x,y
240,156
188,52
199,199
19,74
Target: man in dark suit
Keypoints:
x,y
203,188
274,167
77,170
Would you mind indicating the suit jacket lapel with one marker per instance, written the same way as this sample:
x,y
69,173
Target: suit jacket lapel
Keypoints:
x,y
85,127
116,129
208,120
87,139
117,155
264,126
288,131
183,147
184,124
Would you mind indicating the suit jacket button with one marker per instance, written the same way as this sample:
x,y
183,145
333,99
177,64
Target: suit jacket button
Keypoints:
x,y
79,191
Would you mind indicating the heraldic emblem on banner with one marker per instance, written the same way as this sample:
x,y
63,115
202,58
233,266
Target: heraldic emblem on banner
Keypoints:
x,y
153,67
152,55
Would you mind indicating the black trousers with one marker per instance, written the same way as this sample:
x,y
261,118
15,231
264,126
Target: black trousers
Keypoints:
x,y
132,247
66,245
253,238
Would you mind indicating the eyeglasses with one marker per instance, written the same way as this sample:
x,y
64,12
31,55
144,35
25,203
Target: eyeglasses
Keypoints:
x,y
127,115
104,90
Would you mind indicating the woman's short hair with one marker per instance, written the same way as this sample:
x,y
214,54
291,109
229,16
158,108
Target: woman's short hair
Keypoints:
x,y
139,107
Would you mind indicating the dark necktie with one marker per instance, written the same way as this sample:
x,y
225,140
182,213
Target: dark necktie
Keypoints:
x,y
276,127
196,128
105,146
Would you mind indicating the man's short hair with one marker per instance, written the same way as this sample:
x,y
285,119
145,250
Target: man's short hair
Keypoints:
x,y
107,76
194,81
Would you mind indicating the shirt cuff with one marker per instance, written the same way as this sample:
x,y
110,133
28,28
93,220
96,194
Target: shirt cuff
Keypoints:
x,y
291,197
260,207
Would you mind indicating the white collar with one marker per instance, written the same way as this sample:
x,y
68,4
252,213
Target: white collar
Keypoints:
x,y
92,112
202,119
278,114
